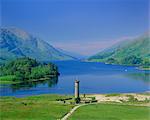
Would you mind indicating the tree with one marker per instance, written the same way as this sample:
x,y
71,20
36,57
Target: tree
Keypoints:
x,y
26,68
132,60
111,60
146,63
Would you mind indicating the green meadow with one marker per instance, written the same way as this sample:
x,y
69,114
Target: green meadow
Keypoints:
x,y
111,112
42,107
47,107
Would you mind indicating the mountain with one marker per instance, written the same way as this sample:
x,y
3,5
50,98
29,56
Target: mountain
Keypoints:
x,y
76,55
16,43
128,52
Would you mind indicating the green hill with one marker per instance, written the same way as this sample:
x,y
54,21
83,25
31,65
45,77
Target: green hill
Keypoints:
x,y
129,52
16,43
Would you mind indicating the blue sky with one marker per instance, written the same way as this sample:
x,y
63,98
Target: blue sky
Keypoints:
x,y
82,26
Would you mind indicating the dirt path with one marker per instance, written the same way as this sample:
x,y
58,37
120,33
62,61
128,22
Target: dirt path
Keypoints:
x,y
71,111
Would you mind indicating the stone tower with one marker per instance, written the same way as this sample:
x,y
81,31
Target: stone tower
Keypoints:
x,y
76,93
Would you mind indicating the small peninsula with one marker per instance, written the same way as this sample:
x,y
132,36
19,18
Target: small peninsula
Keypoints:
x,y
25,70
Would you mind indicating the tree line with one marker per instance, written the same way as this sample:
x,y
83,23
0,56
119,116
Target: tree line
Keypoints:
x,y
26,69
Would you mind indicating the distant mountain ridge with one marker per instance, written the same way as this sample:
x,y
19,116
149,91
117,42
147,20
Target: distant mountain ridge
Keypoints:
x,y
76,55
15,43
129,52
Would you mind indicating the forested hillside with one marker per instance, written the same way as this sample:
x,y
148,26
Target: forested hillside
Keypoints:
x,y
130,52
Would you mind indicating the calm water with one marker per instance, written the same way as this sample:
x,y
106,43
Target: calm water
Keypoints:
x,y
94,78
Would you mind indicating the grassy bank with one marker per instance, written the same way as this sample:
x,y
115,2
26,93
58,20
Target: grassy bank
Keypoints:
x,y
42,107
9,79
53,107
111,112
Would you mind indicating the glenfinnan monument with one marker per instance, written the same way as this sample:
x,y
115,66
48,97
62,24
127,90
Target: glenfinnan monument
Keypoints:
x,y
76,93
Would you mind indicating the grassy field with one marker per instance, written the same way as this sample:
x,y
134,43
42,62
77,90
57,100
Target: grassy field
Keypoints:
x,y
42,107
46,107
111,112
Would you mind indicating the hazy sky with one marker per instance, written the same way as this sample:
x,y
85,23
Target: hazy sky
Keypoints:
x,y
82,26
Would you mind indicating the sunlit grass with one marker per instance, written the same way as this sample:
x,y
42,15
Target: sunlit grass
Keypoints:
x,y
111,112
42,107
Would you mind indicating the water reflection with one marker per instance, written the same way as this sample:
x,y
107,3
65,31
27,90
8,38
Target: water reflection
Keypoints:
x,y
145,76
27,85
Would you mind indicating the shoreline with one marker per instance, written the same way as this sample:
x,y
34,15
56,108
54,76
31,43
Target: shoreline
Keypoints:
x,y
87,94
136,67
32,80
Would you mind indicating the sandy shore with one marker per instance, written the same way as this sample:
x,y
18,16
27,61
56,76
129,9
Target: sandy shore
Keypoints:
x,y
121,97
